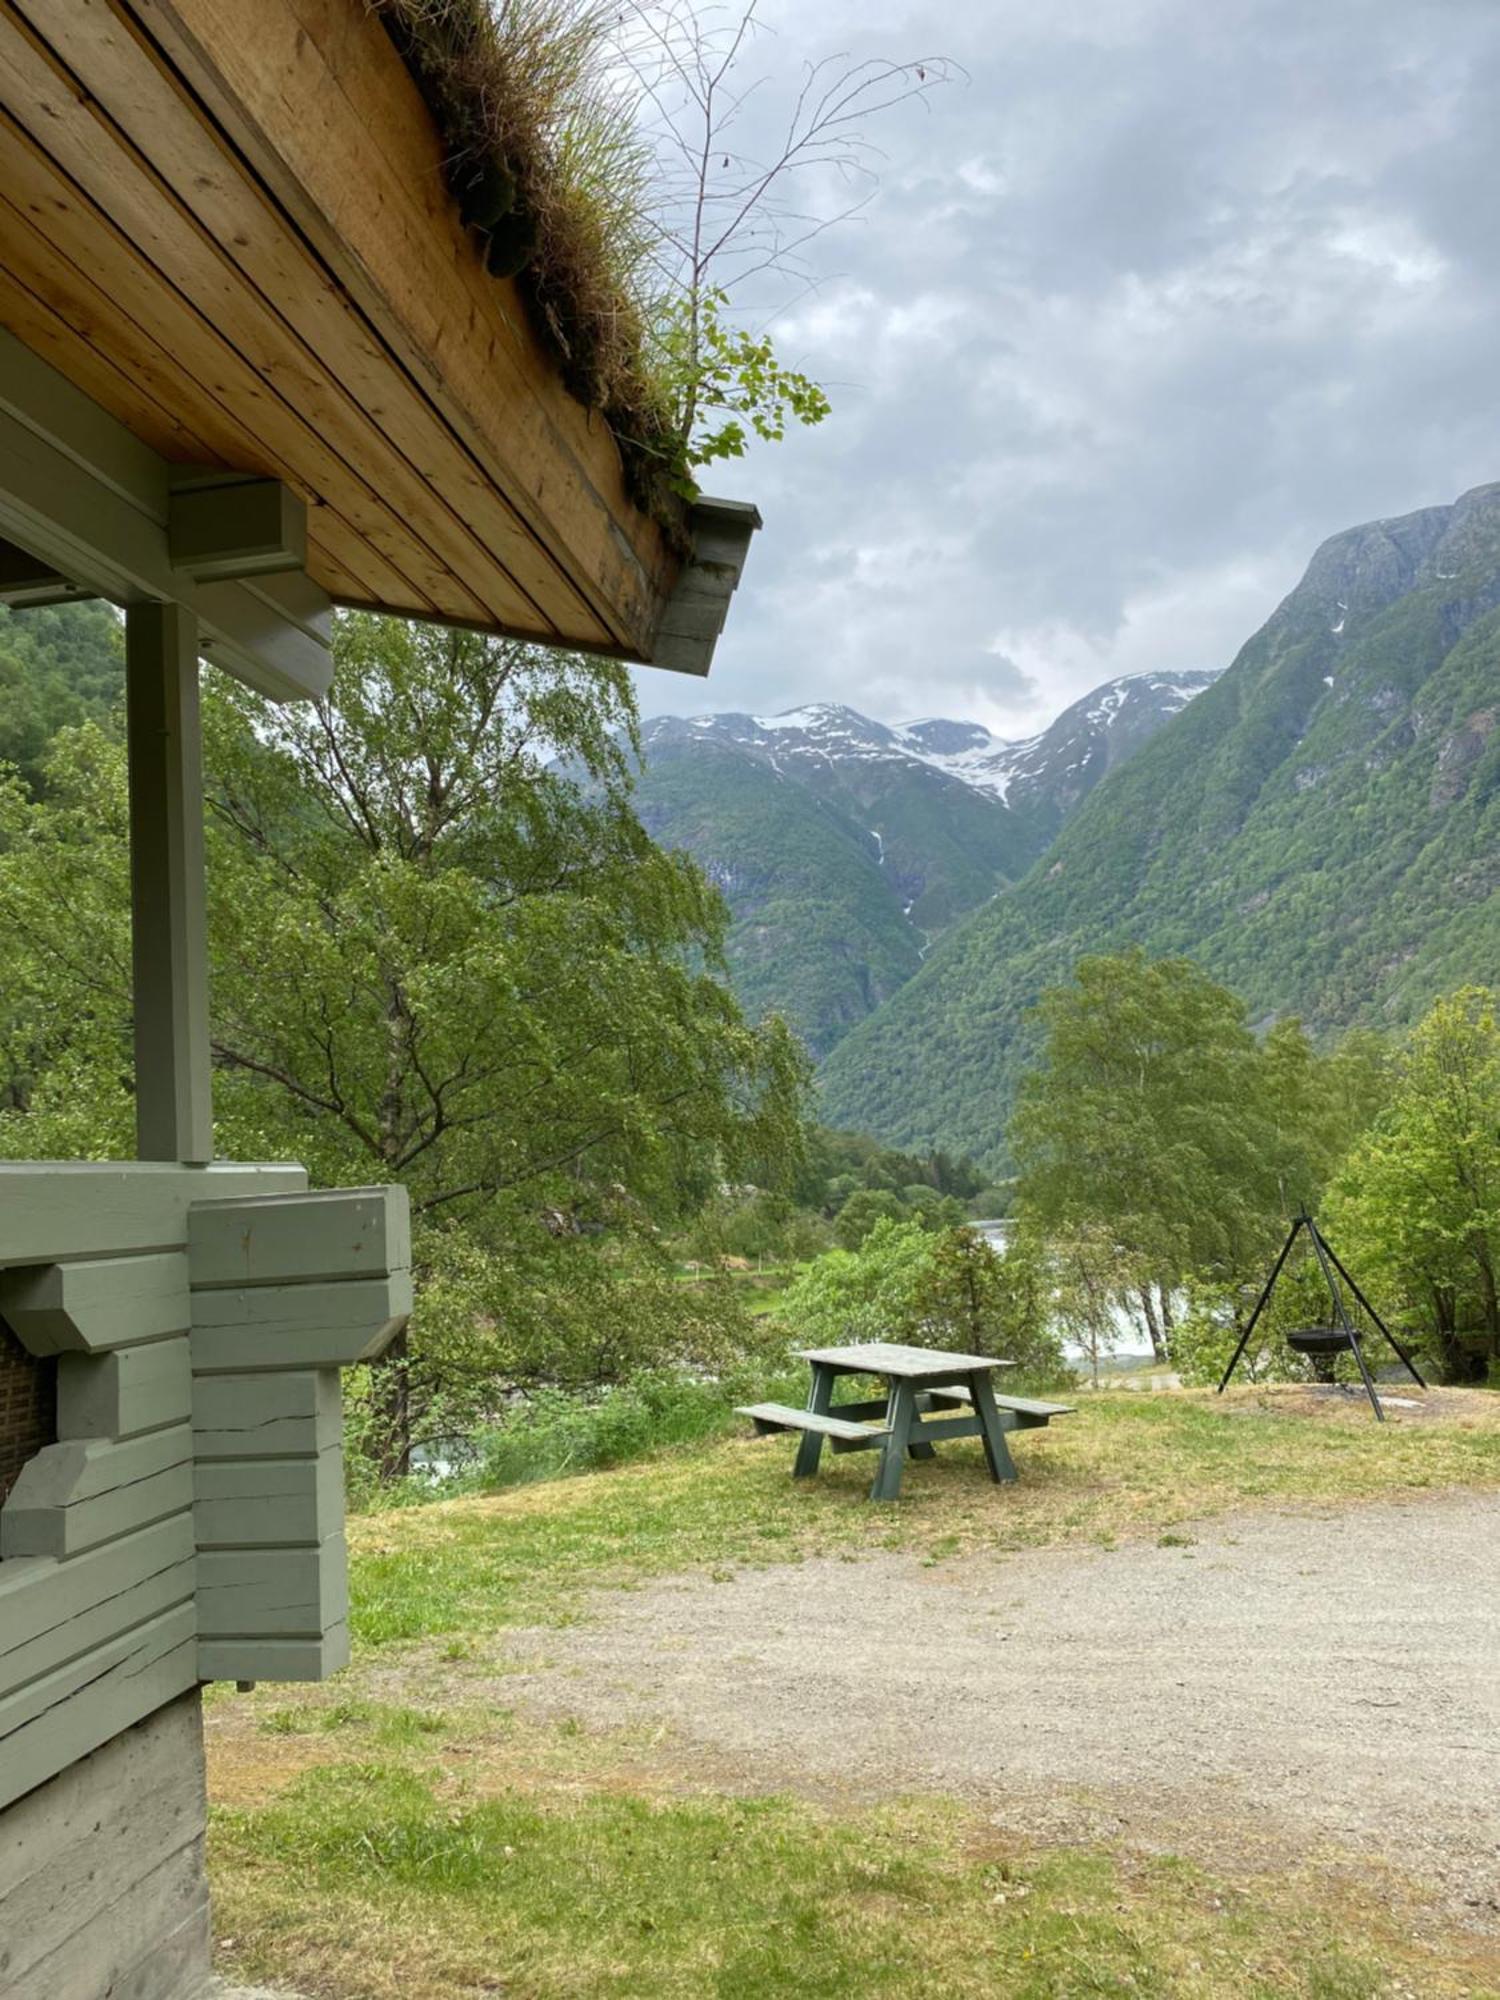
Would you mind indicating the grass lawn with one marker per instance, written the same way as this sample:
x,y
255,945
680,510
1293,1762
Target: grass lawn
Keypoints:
x,y
386,1836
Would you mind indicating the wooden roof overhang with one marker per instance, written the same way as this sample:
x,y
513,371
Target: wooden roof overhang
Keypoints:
x,y
254,360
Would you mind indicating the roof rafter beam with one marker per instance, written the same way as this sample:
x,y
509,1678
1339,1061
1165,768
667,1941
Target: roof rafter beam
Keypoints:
x,y
28,583
221,526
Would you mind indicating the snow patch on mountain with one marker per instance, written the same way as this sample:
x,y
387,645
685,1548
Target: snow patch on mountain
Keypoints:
x,y
1084,741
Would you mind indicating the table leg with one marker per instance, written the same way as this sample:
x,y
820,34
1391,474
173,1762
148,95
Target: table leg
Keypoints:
x,y
899,1411
819,1396
918,1447
996,1450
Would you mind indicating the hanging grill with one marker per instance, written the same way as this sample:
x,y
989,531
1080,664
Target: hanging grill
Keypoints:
x,y
1324,1344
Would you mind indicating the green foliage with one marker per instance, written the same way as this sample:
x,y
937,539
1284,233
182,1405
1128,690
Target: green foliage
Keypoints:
x,y
859,1294
60,665
1161,1145
552,1435
834,1164
436,958
863,1212
1211,1318
723,378
1323,849
751,1222
927,1288
1418,1202
1143,1116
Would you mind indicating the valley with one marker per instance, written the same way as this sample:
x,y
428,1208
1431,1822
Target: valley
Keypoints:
x,y
845,847
1319,829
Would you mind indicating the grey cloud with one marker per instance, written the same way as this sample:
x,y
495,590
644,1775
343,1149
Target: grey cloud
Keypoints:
x,y
1162,297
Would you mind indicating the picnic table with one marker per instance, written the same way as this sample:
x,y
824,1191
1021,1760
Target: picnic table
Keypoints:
x,y
930,1395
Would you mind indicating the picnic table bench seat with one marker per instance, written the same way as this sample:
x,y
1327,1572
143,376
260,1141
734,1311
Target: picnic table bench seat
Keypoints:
x,y
1026,1408
782,1417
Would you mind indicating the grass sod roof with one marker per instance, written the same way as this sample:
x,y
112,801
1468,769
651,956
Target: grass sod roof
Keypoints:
x,y
543,160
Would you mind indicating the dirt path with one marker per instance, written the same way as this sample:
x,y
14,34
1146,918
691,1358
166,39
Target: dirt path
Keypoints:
x,y
1328,1686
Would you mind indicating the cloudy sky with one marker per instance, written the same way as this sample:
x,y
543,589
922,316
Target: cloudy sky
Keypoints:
x,y
1162,295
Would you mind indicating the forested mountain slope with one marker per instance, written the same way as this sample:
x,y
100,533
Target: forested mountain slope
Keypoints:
x,y
844,845
1319,829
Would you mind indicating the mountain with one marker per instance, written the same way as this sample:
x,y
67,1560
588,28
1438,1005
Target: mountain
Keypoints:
x,y
1320,829
844,846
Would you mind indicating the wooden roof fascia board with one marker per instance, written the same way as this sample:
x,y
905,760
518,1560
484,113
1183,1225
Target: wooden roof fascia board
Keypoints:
x,y
75,220
397,246
695,613
78,489
55,123
124,76
364,68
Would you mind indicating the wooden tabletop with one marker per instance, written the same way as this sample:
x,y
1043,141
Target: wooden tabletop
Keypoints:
x,y
883,1357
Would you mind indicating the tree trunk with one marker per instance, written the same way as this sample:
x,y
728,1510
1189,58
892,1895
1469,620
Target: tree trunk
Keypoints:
x,y
1458,1361
1491,1302
1147,1297
390,1396
390,1387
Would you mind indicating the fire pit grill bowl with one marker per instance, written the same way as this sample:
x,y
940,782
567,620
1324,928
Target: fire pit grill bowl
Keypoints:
x,y
1322,1345
1320,1340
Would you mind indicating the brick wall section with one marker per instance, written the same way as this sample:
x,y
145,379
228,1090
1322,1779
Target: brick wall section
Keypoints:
x,y
28,1406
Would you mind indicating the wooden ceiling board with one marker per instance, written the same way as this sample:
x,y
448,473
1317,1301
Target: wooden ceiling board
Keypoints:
x,y
126,386
408,452
106,212
119,361
315,96
227,221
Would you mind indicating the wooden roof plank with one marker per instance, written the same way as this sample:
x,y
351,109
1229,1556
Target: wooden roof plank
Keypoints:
x,y
469,524
397,245
123,390
311,452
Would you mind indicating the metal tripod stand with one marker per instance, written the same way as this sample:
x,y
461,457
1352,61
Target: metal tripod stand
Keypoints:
x,y
1328,1263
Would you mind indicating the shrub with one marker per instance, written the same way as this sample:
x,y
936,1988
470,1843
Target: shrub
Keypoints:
x,y
947,1288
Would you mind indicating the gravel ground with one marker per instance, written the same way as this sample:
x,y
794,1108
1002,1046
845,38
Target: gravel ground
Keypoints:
x,y
1324,1687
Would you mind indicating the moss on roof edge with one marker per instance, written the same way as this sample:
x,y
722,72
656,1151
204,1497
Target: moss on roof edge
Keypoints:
x,y
591,325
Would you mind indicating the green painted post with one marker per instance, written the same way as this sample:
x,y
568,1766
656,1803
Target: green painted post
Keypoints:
x,y
900,1410
174,1111
819,1396
996,1450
